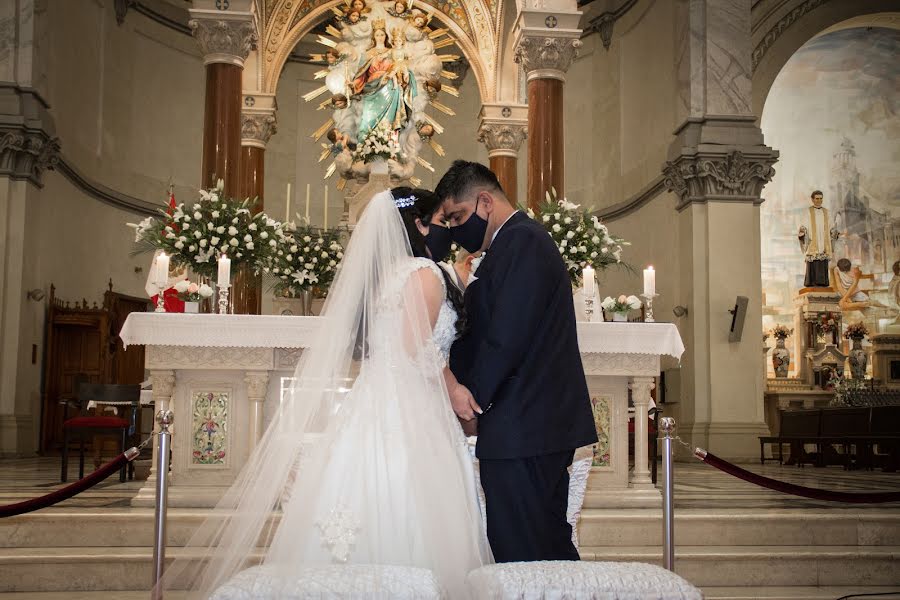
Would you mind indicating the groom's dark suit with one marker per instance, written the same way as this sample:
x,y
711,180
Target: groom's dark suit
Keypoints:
x,y
520,359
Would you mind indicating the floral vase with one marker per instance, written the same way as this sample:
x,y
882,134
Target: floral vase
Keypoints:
x,y
620,317
781,358
192,307
858,359
306,299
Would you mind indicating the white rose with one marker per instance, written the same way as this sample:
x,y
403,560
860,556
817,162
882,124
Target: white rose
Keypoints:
x,y
324,255
595,239
567,220
185,225
205,291
182,286
220,229
289,257
594,254
232,231
179,244
307,239
192,248
546,218
252,226
331,263
248,238
186,218
564,243
573,249
233,241
293,247
203,243
273,243
214,241
215,214
197,215
607,303
249,246
263,234
556,227
234,221
555,215
633,302
198,235
570,234
210,226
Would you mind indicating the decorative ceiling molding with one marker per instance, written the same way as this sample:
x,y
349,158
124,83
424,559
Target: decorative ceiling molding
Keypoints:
x,y
782,25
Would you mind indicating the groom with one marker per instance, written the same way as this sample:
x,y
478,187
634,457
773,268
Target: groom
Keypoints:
x,y
519,368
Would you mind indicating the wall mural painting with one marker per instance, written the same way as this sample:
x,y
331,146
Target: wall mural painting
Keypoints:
x,y
834,115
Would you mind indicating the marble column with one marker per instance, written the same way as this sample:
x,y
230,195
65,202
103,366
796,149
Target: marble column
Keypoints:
x,y
717,166
547,42
163,382
640,396
257,386
225,38
503,128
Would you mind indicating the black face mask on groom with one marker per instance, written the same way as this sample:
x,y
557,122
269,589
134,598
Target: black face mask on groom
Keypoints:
x,y
470,235
438,242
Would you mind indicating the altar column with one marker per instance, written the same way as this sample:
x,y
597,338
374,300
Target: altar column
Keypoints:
x,y
503,128
225,38
547,42
717,166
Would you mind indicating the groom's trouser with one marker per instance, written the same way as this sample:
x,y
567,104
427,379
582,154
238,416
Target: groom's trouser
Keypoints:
x,y
526,501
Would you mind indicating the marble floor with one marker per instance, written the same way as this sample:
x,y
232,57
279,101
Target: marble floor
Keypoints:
x,y
697,485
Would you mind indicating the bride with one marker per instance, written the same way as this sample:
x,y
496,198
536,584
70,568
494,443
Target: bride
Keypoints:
x,y
373,473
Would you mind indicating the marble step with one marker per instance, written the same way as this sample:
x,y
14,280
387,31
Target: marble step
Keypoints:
x,y
737,527
726,566
693,527
124,568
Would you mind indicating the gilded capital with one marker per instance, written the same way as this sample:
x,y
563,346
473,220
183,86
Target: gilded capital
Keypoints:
x,y
257,129
546,57
502,139
225,40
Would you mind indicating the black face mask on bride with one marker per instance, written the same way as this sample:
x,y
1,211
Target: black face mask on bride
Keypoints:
x,y
470,235
438,242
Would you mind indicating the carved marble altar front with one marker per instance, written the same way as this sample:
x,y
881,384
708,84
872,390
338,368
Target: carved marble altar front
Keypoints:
x,y
223,376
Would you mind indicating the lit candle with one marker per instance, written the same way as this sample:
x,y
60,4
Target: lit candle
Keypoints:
x,y
287,206
325,220
649,281
588,281
307,204
162,272
224,279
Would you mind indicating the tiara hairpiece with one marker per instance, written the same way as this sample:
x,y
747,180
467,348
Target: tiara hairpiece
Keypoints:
x,y
404,202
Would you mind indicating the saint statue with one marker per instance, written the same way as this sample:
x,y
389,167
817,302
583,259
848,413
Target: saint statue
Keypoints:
x,y
815,242
384,83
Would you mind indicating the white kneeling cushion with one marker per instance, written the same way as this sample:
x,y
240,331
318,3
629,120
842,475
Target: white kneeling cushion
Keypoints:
x,y
332,582
565,580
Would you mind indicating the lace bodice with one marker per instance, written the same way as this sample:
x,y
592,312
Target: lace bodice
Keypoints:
x,y
445,327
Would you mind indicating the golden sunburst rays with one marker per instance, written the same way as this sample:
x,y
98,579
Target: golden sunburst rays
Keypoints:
x,y
315,93
438,149
326,152
322,130
324,104
452,90
448,58
443,108
326,41
321,74
330,170
333,31
341,183
449,75
415,181
444,43
438,33
424,163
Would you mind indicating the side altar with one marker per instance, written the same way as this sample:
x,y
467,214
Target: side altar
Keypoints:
x,y
224,375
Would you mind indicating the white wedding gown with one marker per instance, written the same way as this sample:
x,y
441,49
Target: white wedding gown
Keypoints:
x,y
353,475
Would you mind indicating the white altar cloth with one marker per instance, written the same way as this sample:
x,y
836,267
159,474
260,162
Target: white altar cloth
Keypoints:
x,y
275,331
230,370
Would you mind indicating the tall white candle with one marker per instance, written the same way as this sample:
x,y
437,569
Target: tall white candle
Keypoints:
x,y
649,281
162,271
224,279
307,204
325,220
588,282
287,206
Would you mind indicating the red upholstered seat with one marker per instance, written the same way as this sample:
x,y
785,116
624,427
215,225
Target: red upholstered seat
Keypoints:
x,y
105,422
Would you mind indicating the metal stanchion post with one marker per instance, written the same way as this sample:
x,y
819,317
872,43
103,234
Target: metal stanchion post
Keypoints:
x,y
667,431
164,419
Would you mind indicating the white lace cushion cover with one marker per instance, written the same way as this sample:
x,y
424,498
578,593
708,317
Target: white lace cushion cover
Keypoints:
x,y
332,582
562,580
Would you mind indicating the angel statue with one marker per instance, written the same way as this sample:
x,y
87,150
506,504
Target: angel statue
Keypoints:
x,y
383,74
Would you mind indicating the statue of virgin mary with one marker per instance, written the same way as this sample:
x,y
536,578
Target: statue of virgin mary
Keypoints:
x,y
384,83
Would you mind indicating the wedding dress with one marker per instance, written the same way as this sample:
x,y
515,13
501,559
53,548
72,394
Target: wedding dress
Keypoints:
x,y
376,472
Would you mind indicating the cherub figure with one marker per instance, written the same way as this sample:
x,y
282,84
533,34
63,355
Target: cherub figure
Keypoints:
x,y
433,86
418,18
425,130
398,9
339,141
339,102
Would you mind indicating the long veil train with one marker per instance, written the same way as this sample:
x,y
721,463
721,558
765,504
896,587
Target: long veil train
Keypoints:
x,y
376,472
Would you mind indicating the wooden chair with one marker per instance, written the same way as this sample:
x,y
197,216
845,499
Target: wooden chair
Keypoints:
x,y
118,395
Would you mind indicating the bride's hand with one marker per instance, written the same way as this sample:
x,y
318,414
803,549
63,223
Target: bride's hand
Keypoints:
x,y
463,403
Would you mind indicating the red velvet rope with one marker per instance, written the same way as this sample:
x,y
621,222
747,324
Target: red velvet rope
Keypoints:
x,y
76,487
796,490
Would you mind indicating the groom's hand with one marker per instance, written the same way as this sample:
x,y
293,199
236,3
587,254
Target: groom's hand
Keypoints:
x,y
463,403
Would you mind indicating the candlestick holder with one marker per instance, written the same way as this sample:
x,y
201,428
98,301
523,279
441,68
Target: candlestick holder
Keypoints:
x,y
589,308
160,302
223,299
648,301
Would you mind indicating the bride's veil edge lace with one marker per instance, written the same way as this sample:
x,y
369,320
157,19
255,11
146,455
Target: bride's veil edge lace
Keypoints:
x,y
373,306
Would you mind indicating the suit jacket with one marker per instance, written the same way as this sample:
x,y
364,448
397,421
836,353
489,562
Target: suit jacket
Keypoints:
x,y
520,355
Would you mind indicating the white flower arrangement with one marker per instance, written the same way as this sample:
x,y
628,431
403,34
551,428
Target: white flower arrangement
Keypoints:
x,y
195,236
381,142
622,304
307,259
581,238
193,292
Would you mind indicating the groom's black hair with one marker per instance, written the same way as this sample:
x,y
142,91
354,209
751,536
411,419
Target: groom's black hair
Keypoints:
x,y
462,177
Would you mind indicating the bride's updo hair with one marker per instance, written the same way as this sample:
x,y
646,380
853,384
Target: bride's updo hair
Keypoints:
x,y
421,204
